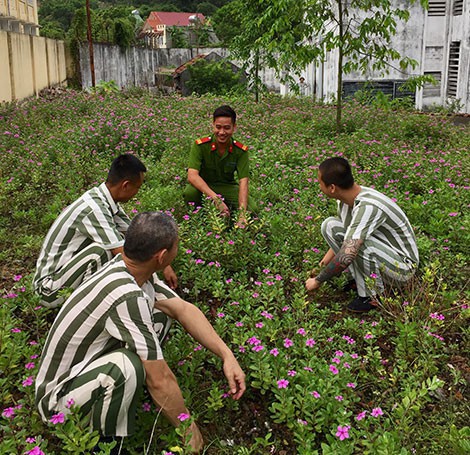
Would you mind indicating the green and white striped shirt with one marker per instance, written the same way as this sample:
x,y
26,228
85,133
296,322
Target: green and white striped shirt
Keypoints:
x,y
93,218
375,214
107,312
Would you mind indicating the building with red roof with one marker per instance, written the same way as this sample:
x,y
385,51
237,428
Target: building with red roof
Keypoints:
x,y
156,30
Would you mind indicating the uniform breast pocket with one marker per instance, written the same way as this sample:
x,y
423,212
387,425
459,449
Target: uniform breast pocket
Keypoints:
x,y
229,168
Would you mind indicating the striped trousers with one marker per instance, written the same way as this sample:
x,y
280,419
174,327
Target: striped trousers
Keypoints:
x,y
71,275
108,390
376,263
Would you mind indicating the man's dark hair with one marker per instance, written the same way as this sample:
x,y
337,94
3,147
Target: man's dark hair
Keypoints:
x,y
225,111
337,171
125,167
148,233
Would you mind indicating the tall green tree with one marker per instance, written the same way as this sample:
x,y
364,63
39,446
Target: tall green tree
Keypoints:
x,y
290,34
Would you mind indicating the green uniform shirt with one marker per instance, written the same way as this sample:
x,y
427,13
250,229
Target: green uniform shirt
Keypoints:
x,y
214,168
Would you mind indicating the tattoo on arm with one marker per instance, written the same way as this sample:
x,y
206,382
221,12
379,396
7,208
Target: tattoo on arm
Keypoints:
x,y
341,261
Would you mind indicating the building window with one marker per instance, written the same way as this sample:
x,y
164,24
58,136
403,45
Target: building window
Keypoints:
x,y
431,90
453,69
457,7
437,8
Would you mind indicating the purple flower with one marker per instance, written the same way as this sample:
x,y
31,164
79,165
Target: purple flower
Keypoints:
x,y
343,432
35,451
282,384
183,416
57,418
376,412
28,381
8,412
310,342
361,415
333,369
146,407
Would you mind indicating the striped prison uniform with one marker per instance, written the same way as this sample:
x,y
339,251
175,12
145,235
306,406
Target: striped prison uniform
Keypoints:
x,y
79,243
93,351
389,252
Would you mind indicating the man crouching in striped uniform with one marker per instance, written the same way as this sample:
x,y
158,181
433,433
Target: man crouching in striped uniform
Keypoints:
x,y
106,339
371,236
88,233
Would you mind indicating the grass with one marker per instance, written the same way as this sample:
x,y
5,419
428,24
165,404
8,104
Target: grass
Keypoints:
x,y
395,381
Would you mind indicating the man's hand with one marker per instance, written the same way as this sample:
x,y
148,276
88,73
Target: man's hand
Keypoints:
x,y
221,206
312,284
170,277
235,377
196,442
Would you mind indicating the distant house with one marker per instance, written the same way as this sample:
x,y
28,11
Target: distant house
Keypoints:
x,y
20,16
182,75
156,31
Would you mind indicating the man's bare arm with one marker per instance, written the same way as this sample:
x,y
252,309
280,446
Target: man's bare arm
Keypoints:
x,y
346,255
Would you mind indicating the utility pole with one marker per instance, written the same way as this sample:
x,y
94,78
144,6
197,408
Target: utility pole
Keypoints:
x,y
90,44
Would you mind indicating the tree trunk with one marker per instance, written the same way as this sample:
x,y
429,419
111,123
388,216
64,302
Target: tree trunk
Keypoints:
x,y
339,90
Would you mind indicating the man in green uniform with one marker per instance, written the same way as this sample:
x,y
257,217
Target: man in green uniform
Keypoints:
x,y
213,161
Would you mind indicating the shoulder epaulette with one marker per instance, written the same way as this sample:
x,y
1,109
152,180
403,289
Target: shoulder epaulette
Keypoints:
x,y
203,140
240,145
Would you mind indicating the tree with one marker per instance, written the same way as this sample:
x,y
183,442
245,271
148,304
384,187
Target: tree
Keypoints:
x,y
227,14
293,33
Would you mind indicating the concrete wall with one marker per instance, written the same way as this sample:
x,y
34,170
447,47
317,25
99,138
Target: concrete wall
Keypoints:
x,y
29,64
138,66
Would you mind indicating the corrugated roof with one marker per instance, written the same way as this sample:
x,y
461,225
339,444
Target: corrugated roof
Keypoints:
x,y
172,19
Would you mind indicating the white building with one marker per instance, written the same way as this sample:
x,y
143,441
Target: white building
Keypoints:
x,y
438,39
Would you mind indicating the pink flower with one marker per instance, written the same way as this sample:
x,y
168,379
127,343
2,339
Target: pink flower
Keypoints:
x,y
343,432
368,336
146,407
259,325
17,277
220,315
285,308
8,413
254,341
30,440
28,381
70,403
183,416
361,415
274,352
310,342
301,331
239,324
376,412
57,418
258,348
30,365
453,213
351,385
315,394
339,397
333,369
288,343
291,373
282,384
35,451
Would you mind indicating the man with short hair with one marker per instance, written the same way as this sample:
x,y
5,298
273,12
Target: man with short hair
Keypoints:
x,y
106,339
88,233
213,161
371,236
